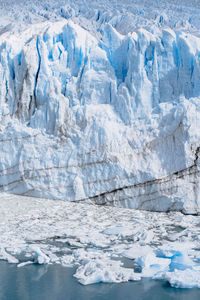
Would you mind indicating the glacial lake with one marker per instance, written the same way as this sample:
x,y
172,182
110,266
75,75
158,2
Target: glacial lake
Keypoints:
x,y
55,282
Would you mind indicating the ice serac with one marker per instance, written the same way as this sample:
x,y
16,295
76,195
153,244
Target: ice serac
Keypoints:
x,y
113,120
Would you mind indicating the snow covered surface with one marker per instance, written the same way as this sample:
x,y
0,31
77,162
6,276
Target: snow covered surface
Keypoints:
x,y
106,244
100,102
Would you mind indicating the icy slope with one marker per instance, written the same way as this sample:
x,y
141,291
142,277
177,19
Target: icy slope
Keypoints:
x,y
113,119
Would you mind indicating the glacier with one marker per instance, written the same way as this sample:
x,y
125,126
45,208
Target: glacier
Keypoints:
x,y
100,104
110,119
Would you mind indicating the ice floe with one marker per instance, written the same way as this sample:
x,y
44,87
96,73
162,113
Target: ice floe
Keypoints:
x,y
105,244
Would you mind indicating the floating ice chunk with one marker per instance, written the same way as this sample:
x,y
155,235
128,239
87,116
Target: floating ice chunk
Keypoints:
x,y
151,264
40,257
104,271
183,272
25,264
183,278
146,258
4,255
178,256
180,261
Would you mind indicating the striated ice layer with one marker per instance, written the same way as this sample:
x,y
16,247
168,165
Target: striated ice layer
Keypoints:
x,y
111,120
105,244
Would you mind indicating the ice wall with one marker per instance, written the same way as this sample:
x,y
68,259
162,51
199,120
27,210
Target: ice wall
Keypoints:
x,y
112,121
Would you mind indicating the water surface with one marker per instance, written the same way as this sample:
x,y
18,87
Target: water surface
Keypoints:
x,y
55,282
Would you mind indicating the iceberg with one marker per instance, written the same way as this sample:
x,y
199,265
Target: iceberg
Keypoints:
x,y
106,271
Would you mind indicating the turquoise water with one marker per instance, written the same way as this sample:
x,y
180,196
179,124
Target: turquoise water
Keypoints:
x,y
55,282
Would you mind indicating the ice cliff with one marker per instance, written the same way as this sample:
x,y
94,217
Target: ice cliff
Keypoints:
x,y
110,120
